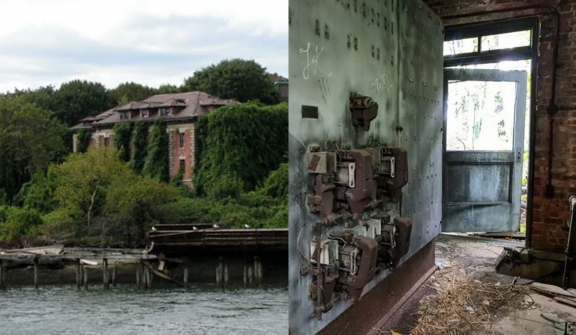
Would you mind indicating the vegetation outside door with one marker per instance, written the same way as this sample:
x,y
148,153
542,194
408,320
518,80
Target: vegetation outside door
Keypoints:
x,y
484,114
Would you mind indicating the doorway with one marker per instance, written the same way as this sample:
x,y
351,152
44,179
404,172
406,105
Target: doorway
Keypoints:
x,y
488,114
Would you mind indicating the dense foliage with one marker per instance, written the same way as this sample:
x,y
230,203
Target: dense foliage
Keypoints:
x,y
83,140
139,146
239,79
30,137
156,164
240,145
122,139
78,99
130,91
99,199
266,207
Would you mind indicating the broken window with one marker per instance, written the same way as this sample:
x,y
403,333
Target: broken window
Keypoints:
x,y
463,46
182,140
164,111
506,41
478,43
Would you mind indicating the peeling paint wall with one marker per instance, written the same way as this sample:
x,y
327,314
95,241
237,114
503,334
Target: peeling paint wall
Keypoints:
x,y
388,50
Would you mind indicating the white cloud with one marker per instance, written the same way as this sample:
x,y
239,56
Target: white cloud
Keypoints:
x,y
148,41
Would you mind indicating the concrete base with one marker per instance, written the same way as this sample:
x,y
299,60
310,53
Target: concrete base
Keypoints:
x,y
375,308
537,265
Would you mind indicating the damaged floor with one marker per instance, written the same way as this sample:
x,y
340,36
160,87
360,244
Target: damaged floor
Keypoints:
x,y
467,296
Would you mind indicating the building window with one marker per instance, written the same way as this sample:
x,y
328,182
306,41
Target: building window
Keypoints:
x,y
182,140
106,141
145,113
164,111
182,167
123,115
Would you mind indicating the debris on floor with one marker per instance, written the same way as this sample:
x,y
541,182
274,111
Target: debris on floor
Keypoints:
x,y
466,296
463,304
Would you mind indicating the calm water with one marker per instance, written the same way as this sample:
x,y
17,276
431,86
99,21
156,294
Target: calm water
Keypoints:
x,y
125,310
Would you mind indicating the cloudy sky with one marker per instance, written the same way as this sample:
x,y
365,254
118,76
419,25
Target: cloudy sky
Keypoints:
x,y
151,42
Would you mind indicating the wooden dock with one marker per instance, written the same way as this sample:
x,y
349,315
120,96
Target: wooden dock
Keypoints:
x,y
83,258
180,238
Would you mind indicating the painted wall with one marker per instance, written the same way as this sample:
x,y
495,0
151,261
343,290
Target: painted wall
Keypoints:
x,y
388,50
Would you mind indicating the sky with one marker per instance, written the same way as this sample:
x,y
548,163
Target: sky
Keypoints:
x,y
151,42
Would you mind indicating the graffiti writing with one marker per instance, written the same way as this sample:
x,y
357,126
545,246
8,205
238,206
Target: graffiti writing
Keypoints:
x,y
380,84
312,62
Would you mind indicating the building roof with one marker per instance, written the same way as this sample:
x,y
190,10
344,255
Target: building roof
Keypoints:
x,y
278,79
188,105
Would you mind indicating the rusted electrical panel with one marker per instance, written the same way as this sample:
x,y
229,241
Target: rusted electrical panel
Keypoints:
x,y
352,188
363,110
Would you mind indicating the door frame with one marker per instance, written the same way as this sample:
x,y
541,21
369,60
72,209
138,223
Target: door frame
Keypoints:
x,y
505,157
454,32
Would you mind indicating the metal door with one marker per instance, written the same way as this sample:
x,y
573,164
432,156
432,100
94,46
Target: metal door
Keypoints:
x,y
484,112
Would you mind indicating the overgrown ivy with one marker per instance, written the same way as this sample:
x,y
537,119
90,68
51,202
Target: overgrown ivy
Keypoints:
x,y
139,147
239,146
84,136
156,165
122,139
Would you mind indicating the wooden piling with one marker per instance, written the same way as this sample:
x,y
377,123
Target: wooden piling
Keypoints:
x,y
185,277
245,275
2,274
114,274
138,269
250,276
226,274
105,280
148,278
259,272
78,274
85,275
36,273
218,274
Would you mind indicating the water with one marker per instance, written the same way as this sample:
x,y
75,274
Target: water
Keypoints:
x,y
199,310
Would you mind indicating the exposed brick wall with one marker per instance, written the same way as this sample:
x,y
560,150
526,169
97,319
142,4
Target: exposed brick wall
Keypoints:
x,y
175,152
187,153
549,230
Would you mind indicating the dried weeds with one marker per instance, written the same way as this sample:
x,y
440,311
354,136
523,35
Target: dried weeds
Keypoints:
x,y
462,305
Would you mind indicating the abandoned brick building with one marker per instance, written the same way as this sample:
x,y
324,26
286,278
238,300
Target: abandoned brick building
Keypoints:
x,y
180,111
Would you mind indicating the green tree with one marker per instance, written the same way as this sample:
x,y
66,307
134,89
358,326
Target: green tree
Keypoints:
x,y
38,193
156,165
30,137
168,88
130,91
139,146
78,99
133,207
18,226
43,97
238,79
101,198
276,184
122,139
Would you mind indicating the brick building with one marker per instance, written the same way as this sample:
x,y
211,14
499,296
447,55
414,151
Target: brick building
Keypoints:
x,y
180,111
552,131
281,84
